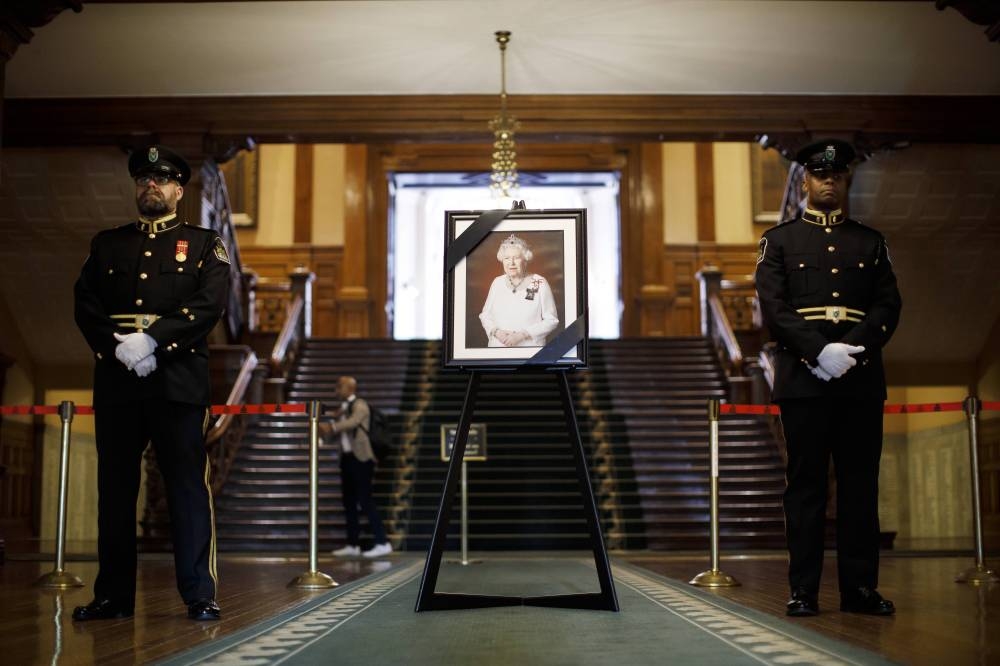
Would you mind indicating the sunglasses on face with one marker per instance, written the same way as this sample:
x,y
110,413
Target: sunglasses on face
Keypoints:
x,y
160,180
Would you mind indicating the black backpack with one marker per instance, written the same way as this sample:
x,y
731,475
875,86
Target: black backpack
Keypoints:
x,y
377,430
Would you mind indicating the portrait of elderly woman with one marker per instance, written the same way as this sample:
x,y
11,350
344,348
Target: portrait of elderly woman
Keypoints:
x,y
520,310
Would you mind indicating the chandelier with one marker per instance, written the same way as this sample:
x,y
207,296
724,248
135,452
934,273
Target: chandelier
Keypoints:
x,y
503,178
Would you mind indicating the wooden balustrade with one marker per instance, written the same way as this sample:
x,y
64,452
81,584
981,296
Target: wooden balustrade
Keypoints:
x,y
730,310
751,377
222,440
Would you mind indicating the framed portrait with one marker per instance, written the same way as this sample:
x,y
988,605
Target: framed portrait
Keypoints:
x,y
515,289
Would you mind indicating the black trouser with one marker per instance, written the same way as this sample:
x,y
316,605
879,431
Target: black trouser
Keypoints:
x,y
177,432
356,488
851,432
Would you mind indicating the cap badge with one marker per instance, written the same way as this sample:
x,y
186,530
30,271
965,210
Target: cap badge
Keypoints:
x,y
830,154
153,154
180,254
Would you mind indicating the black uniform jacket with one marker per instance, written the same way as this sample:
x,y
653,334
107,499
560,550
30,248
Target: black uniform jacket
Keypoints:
x,y
823,279
181,275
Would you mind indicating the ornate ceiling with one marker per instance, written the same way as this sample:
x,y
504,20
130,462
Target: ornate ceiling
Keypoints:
x,y
444,47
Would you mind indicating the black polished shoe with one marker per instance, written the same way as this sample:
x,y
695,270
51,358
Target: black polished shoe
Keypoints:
x,y
802,604
865,600
102,609
204,609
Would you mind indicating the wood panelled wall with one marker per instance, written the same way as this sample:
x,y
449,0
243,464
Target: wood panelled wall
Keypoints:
x,y
277,263
659,287
17,457
681,262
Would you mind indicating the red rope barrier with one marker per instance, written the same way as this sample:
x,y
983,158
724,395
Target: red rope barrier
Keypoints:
x,y
28,409
285,408
749,409
925,407
918,408
300,408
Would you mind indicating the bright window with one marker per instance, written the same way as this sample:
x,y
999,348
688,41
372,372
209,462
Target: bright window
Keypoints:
x,y
416,266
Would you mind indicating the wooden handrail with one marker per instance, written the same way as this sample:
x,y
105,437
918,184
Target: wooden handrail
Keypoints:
x,y
236,394
725,331
287,335
767,367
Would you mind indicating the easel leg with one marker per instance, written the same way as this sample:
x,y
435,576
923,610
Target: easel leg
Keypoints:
x,y
427,599
609,599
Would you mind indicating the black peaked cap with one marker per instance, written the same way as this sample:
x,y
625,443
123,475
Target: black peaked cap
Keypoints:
x,y
157,159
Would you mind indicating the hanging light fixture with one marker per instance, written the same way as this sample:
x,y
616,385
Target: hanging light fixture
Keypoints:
x,y
503,179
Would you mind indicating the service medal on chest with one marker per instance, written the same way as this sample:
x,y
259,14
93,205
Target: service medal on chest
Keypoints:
x,y
181,253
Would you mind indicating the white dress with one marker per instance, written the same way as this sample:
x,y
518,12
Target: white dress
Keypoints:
x,y
530,307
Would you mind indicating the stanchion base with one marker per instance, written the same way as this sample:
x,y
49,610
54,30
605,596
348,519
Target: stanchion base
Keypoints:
x,y
977,575
714,578
58,580
463,563
313,580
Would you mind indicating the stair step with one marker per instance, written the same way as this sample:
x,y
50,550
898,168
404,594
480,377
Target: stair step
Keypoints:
x,y
641,409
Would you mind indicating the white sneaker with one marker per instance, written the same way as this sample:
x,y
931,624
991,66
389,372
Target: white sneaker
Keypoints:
x,y
348,551
379,550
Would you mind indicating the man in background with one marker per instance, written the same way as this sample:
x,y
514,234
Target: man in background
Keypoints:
x,y
357,470
829,297
148,295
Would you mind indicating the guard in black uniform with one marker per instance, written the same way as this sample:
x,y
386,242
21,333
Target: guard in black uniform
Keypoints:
x,y
829,297
148,296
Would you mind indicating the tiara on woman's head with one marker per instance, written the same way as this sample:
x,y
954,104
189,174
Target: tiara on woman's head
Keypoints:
x,y
514,241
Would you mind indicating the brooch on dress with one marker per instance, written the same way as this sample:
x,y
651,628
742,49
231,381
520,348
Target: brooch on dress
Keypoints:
x,y
529,294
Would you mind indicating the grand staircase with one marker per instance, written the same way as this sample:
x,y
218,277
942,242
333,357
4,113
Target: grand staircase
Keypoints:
x,y
641,409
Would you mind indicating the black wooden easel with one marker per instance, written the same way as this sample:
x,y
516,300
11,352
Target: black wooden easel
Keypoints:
x,y
428,599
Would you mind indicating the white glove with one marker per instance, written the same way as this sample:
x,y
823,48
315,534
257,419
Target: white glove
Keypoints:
x,y
133,348
820,373
146,366
836,359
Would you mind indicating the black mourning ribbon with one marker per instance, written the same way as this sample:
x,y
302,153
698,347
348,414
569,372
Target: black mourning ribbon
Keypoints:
x,y
473,236
570,337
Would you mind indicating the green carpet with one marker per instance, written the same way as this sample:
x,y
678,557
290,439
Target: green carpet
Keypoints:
x,y
372,622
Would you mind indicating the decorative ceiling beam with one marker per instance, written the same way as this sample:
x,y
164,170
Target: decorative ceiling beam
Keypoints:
x,y
18,17
463,118
980,12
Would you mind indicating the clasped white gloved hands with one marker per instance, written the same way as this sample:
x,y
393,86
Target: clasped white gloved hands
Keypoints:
x,y
146,366
820,373
836,359
135,350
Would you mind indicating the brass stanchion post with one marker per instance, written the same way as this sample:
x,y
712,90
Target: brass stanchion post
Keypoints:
x,y
313,579
58,578
465,514
714,577
979,572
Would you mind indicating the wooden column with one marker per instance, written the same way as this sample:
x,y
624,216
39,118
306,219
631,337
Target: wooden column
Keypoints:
x,y
354,299
302,231
705,188
654,296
